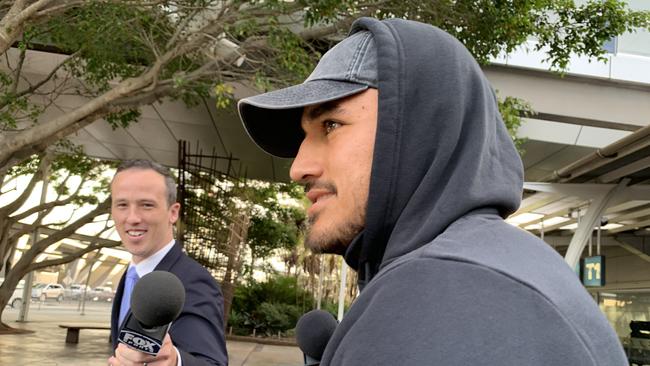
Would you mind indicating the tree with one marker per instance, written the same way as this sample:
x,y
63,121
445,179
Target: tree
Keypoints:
x,y
75,182
228,222
116,56
274,225
123,54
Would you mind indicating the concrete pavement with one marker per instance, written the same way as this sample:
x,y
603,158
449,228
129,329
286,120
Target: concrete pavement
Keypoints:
x,y
46,345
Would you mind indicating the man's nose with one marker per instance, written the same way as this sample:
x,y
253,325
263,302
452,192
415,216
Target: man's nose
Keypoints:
x,y
133,217
308,162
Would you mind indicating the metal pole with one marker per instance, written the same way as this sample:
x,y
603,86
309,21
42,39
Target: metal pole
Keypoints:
x,y
90,271
320,283
598,238
591,236
342,289
542,230
27,290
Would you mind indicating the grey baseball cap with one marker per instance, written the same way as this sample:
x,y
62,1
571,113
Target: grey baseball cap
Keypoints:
x,y
272,119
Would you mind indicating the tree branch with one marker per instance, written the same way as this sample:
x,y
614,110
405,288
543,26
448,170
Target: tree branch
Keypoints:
x,y
181,27
6,242
13,22
44,207
42,244
36,86
26,229
19,67
12,149
71,257
341,25
162,90
46,159
46,140
92,246
25,264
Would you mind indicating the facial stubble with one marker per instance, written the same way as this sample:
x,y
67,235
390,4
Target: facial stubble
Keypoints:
x,y
336,240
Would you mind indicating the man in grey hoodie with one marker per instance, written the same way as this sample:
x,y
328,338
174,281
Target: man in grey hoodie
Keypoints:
x,y
397,138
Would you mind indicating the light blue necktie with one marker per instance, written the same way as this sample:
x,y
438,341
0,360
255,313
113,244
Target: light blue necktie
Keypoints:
x,y
129,282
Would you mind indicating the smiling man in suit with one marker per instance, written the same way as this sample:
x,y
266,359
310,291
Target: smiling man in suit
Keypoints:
x,y
145,210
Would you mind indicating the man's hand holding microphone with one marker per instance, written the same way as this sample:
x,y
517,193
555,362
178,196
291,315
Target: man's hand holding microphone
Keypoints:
x,y
157,300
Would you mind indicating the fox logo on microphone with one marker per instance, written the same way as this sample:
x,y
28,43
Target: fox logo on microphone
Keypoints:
x,y
140,342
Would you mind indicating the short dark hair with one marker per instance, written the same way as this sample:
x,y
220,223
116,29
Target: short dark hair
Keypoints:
x,y
144,164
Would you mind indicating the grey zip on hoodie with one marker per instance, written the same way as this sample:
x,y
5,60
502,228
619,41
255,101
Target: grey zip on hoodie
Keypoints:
x,y
445,281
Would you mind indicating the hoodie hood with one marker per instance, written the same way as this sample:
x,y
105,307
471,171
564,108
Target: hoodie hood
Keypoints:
x,y
441,148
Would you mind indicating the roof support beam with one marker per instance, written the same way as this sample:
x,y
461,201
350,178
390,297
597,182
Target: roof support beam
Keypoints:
x,y
602,196
633,250
623,171
585,228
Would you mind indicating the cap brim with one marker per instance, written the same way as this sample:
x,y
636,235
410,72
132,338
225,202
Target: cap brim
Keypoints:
x,y
272,119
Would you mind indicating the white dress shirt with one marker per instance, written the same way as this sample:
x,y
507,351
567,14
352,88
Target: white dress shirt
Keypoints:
x,y
147,266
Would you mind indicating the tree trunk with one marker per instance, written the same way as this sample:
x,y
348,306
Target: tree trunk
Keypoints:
x,y
238,234
7,289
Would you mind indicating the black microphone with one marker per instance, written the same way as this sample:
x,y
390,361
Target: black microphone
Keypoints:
x,y
313,331
157,299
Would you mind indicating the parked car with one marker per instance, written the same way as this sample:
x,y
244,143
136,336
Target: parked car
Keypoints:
x,y
16,299
76,291
102,293
45,291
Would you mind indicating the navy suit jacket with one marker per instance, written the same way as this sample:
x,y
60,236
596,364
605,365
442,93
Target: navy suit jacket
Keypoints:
x,y
198,332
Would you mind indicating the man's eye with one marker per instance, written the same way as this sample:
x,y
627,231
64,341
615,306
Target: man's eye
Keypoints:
x,y
330,126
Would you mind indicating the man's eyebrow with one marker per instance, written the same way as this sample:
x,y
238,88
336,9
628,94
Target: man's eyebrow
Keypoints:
x,y
327,107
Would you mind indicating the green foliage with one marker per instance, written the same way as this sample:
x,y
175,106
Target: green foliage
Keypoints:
x,y
293,58
278,317
213,204
269,307
14,108
512,110
325,11
27,167
123,118
584,29
112,39
489,28
277,226
268,233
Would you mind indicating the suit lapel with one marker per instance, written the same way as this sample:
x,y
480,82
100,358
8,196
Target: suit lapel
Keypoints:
x,y
115,313
170,258
165,264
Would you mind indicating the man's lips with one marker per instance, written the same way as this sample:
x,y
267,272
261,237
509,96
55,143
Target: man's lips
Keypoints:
x,y
318,198
315,194
135,233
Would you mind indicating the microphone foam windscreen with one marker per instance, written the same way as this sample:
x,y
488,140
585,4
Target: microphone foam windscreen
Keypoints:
x,y
157,299
313,331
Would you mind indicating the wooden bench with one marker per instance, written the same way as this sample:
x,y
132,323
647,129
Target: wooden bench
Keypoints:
x,y
72,335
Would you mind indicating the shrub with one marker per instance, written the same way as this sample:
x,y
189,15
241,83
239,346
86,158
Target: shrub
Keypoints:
x,y
269,307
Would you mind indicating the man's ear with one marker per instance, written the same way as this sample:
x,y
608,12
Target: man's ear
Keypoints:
x,y
174,211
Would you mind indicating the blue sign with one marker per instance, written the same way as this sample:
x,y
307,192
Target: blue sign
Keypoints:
x,y
593,271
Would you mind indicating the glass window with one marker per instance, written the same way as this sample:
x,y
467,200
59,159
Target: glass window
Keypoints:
x,y
623,307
